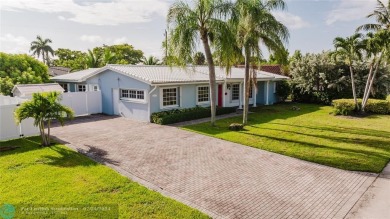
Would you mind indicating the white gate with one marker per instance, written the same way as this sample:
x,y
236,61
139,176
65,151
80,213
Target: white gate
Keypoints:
x,y
83,103
8,127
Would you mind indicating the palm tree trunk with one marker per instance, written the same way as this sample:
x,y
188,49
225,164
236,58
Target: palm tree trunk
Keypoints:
x,y
213,85
353,87
246,87
48,132
366,94
364,102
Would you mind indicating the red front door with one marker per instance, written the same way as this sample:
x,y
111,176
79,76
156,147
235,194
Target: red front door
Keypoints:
x,y
220,95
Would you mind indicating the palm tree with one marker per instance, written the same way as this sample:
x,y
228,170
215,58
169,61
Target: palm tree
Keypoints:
x,y
151,60
204,20
43,108
108,56
41,47
254,24
350,49
92,59
377,46
382,17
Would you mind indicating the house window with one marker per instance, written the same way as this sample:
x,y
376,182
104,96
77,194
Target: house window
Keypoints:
x,y
132,94
203,94
64,86
81,88
235,91
95,88
170,97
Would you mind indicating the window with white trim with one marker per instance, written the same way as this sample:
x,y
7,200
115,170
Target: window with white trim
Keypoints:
x,y
203,94
81,88
235,91
170,97
132,94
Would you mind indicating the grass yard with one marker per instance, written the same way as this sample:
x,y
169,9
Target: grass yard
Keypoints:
x,y
312,134
31,175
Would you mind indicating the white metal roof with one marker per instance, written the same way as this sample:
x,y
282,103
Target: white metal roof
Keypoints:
x,y
28,89
165,74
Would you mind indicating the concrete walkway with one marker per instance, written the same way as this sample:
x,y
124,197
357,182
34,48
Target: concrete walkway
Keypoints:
x,y
222,179
375,203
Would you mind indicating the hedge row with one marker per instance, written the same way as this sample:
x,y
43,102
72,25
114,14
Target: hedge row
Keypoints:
x,y
347,106
181,115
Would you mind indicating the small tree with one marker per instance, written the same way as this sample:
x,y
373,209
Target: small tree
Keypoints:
x,y
43,108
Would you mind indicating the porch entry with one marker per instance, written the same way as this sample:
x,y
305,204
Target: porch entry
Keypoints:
x,y
220,95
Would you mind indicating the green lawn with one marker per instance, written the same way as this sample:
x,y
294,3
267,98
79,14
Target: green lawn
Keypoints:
x,y
312,134
56,175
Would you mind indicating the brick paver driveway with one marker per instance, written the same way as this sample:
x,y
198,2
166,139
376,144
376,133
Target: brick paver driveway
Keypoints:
x,y
220,178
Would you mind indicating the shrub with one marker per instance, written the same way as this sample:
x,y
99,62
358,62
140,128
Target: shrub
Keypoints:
x,y
181,115
347,106
283,90
343,106
378,106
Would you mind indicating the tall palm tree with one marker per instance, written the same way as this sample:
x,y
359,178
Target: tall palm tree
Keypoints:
x,y
41,47
92,59
382,17
350,49
377,46
254,24
151,60
204,20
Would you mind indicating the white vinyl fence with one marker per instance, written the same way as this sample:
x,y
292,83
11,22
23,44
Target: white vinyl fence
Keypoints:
x,y
83,103
8,127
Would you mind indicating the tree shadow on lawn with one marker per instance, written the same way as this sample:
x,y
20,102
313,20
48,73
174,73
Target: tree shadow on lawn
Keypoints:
x,y
23,144
356,131
327,160
372,143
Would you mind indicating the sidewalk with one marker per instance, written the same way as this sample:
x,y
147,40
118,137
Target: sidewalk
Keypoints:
x,y
375,202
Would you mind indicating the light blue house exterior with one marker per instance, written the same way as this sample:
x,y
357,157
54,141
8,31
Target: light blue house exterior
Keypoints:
x,y
136,92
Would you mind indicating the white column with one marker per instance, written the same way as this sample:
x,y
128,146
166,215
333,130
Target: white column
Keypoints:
x,y
267,93
254,92
240,96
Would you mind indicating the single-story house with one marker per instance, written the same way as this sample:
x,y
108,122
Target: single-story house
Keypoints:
x,y
136,91
26,90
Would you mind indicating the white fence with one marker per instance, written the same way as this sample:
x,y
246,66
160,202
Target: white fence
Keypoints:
x,y
8,127
83,103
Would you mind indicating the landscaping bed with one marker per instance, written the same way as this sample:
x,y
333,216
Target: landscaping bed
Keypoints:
x,y
187,114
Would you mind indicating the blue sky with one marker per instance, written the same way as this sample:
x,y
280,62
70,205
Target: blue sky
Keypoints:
x,y
84,24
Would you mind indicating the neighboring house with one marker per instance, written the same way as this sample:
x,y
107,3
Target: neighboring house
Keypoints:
x,y
58,70
136,91
26,90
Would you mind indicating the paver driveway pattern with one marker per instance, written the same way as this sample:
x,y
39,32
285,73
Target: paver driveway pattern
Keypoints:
x,y
223,179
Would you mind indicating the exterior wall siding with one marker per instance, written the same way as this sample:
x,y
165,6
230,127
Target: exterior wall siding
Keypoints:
x,y
108,81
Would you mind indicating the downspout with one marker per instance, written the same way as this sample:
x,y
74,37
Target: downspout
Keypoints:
x,y
149,97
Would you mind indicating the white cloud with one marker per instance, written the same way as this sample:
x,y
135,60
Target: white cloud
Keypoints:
x,y
14,44
96,39
103,12
292,21
91,38
350,10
